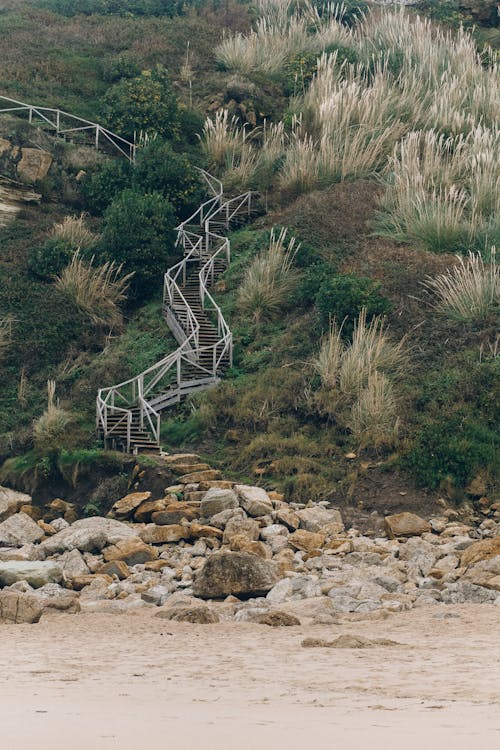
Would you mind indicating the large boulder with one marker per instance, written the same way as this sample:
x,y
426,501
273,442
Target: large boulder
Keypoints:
x,y
153,534
316,517
34,165
237,573
16,607
132,550
175,513
18,530
241,527
217,500
127,505
254,500
11,501
406,524
486,549
87,535
307,541
35,573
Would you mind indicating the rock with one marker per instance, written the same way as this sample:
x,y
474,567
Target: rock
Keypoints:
x,y
220,519
47,528
59,524
277,619
287,517
241,527
237,573
314,518
11,501
17,607
292,589
200,476
19,529
153,534
348,641
189,468
117,568
201,531
306,540
34,165
82,582
35,573
216,501
127,505
221,484
406,524
145,510
87,535
180,458
483,550
156,595
32,511
55,597
254,500
73,564
133,551
5,146
253,548
197,615
175,513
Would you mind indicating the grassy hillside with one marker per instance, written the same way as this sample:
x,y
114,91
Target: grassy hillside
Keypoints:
x,y
366,367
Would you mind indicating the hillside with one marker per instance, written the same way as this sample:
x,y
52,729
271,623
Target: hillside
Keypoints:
x,y
365,366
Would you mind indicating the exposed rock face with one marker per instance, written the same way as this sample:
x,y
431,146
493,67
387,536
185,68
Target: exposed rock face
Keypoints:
x,y
132,551
406,524
254,500
11,501
17,607
238,573
34,165
37,574
306,540
19,529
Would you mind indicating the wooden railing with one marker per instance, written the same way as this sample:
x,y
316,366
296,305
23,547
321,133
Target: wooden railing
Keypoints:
x,y
194,365
71,126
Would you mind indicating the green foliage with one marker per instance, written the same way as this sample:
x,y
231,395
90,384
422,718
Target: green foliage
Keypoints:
x,y
455,448
161,169
100,186
119,7
116,68
139,233
344,295
301,67
48,260
145,103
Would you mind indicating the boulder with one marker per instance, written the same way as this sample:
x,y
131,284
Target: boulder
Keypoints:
x,y
201,531
116,568
73,564
35,573
127,505
406,524
196,615
87,535
316,517
18,530
16,607
11,501
241,527
145,510
483,550
153,534
132,551
200,476
220,519
237,573
175,513
287,517
277,619
34,165
254,500
308,541
216,500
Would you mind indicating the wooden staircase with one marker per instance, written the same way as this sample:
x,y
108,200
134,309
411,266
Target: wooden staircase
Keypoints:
x,y
128,414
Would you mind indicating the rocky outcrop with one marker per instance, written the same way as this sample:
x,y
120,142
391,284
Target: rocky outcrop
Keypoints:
x,y
34,165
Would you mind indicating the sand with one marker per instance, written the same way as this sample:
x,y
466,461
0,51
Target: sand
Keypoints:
x,y
102,681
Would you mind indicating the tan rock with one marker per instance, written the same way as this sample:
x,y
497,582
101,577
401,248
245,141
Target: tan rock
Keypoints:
x,y
492,583
17,607
306,540
190,468
483,550
47,529
276,497
406,524
175,513
11,502
199,531
5,146
218,484
257,548
153,534
237,573
277,619
241,527
78,583
34,165
127,505
146,509
133,551
200,476
117,568
194,497
339,546
32,511
287,517
182,458
156,565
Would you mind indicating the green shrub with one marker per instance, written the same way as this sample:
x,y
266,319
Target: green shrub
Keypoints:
x,y
146,103
49,259
301,67
100,186
139,233
455,448
345,295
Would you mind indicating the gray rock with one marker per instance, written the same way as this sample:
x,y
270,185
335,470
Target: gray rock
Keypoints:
x,y
220,519
464,591
73,564
88,535
254,500
316,517
11,501
35,573
237,573
292,589
19,529
216,500
17,607
245,527
156,595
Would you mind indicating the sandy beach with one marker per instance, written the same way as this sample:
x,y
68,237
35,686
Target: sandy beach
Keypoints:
x,y
99,681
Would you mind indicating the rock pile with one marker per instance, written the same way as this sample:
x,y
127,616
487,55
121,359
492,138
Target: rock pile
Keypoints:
x,y
212,550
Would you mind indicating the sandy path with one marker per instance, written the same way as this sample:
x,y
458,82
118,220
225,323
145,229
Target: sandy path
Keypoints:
x,y
126,682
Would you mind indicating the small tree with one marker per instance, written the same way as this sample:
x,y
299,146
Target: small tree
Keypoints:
x,y
139,234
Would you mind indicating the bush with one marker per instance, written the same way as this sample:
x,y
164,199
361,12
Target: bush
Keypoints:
x,y
160,169
139,233
344,296
49,259
301,67
146,103
100,187
453,448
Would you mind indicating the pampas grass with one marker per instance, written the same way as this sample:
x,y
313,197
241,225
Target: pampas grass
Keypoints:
x,y
96,290
470,291
374,415
50,428
270,279
73,230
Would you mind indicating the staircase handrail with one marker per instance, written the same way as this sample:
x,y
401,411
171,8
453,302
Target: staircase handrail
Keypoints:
x,y
125,147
